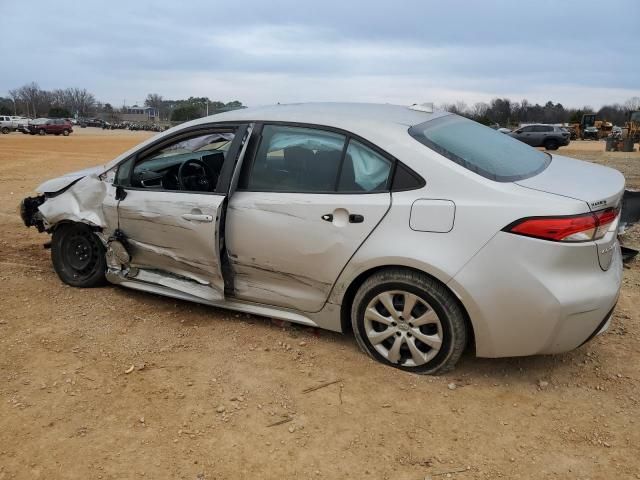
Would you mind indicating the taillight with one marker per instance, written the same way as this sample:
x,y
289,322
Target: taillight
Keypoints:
x,y
572,228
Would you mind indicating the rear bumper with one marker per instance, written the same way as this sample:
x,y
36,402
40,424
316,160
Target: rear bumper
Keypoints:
x,y
526,296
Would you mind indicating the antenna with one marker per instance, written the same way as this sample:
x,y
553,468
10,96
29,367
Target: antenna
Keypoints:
x,y
422,107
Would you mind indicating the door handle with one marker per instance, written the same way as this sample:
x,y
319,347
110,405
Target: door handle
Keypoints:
x,y
353,218
194,217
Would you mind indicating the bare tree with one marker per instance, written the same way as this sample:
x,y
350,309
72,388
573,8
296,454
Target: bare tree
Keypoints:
x,y
80,101
632,104
30,94
155,101
14,94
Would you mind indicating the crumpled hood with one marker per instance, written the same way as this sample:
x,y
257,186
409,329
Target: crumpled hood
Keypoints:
x,y
59,183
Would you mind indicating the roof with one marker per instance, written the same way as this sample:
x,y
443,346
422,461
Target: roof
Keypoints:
x,y
382,124
359,118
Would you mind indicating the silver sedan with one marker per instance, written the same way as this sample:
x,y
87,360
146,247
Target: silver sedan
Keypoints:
x,y
422,233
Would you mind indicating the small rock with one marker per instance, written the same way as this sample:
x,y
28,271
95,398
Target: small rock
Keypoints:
x,y
386,405
543,383
302,344
452,386
129,370
292,429
220,409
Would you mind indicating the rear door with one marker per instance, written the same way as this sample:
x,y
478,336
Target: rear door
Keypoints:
x,y
304,206
170,216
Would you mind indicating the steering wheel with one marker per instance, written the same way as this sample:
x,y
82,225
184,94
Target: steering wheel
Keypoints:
x,y
202,183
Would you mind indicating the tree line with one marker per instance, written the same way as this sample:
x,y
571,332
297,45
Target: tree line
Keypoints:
x,y
505,112
32,101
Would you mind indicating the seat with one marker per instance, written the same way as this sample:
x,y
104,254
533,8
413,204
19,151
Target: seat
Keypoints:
x,y
322,173
296,162
348,177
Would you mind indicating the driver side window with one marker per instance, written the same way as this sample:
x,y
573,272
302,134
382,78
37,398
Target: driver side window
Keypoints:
x,y
191,164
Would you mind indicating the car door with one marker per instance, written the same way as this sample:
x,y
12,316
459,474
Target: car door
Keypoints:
x,y
171,207
304,205
526,135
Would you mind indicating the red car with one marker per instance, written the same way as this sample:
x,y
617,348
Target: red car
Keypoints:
x,y
56,126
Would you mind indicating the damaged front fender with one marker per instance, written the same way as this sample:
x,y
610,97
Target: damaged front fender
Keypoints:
x,y
82,202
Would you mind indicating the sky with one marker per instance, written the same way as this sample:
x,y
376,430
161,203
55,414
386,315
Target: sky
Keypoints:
x,y
267,51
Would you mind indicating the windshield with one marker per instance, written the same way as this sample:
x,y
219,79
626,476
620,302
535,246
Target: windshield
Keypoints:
x,y
480,149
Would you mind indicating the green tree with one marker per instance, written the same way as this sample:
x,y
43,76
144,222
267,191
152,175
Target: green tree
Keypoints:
x,y
186,112
59,112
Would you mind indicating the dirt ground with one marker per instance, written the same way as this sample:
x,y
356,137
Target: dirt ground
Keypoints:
x,y
208,386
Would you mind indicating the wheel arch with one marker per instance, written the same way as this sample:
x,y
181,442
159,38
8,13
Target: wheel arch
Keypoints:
x,y
354,285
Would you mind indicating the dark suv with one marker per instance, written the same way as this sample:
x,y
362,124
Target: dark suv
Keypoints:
x,y
547,136
56,126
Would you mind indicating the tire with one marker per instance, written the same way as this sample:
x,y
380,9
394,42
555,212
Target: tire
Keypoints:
x,y
78,256
65,133
551,144
435,307
5,130
42,131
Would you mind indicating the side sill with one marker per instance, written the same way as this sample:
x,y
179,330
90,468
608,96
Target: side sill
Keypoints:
x,y
236,305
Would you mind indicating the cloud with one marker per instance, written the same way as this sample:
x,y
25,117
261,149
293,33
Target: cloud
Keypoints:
x,y
265,52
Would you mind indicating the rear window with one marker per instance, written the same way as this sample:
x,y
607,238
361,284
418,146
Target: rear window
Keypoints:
x,y
481,149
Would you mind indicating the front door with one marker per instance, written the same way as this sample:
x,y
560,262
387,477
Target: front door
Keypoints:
x,y
304,206
173,201
527,135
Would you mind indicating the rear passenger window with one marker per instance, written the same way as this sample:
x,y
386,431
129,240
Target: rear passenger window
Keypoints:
x,y
296,159
363,170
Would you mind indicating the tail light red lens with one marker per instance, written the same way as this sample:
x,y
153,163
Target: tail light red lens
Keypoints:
x,y
573,228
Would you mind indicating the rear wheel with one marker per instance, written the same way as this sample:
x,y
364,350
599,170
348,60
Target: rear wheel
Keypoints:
x,y
5,130
65,133
42,131
410,321
551,144
78,255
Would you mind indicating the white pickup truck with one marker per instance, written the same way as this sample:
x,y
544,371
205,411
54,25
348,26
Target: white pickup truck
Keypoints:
x,y
12,123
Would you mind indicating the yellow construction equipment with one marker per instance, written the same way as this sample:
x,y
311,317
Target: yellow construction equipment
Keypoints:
x,y
624,139
590,128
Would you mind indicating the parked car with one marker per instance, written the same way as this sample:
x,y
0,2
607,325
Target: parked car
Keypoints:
x,y
547,136
419,232
12,123
55,126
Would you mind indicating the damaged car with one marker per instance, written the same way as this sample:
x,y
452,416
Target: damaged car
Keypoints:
x,y
421,232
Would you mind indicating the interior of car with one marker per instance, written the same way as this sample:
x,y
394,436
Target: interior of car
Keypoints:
x,y
193,164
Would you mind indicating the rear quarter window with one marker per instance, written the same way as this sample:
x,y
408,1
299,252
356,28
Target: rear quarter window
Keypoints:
x,y
482,150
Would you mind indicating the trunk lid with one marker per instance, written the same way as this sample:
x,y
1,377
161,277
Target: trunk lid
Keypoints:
x,y
598,186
